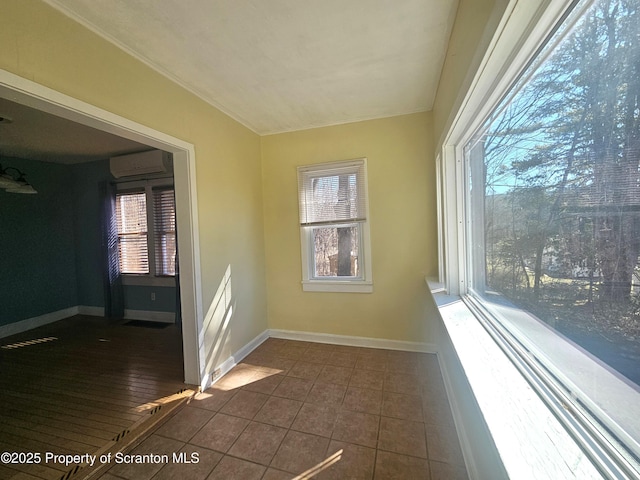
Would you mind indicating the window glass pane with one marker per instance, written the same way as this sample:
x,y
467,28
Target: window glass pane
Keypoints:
x,y
554,191
336,251
561,186
131,219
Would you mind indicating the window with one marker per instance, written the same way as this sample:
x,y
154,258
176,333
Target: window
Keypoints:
x,y
334,228
547,223
146,222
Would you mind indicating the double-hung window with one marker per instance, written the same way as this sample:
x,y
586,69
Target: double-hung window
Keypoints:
x,y
543,235
146,223
334,227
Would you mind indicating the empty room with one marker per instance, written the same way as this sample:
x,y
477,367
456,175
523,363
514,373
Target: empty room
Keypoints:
x,y
247,239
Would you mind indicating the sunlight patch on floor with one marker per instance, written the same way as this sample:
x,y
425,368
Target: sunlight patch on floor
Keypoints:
x,y
164,400
28,343
244,374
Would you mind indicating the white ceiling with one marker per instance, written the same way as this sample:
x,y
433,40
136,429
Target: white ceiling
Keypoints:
x,y
282,65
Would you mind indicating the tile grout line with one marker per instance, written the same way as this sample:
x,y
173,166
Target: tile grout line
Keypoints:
x,y
340,407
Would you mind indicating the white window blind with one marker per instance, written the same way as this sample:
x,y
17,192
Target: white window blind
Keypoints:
x,y
131,219
164,215
331,195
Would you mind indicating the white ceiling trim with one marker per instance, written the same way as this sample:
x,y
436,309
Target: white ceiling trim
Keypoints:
x,y
346,122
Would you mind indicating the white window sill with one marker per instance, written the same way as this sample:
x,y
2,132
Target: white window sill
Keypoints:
x,y
435,285
347,286
530,440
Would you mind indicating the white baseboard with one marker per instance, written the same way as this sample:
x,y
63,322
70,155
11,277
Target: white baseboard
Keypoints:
x,y
34,322
211,378
354,341
166,317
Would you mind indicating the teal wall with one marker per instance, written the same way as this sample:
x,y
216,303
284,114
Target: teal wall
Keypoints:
x,y
50,244
139,298
37,251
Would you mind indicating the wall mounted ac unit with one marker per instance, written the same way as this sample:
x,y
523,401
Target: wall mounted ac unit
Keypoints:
x,y
154,161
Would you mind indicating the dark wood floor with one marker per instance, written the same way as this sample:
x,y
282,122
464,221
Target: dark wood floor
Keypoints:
x,y
78,385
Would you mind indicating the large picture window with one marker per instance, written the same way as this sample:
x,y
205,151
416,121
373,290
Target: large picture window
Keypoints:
x,y
556,172
334,227
552,209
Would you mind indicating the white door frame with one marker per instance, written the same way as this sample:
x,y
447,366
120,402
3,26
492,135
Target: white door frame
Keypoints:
x,y
26,92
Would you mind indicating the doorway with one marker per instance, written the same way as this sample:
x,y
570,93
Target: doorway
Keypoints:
x,y
28,93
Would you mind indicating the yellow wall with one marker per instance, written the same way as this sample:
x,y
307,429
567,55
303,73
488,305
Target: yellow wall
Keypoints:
x,y
45,46
403,228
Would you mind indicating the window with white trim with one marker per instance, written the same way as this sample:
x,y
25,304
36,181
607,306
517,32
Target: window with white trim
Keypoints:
x,y
334,227
543,235
146,223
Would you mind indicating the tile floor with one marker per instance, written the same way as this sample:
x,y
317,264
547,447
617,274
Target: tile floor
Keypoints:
x,y
307,410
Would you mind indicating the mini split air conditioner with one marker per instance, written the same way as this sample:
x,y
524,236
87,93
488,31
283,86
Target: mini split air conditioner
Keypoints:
x,y
154,161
